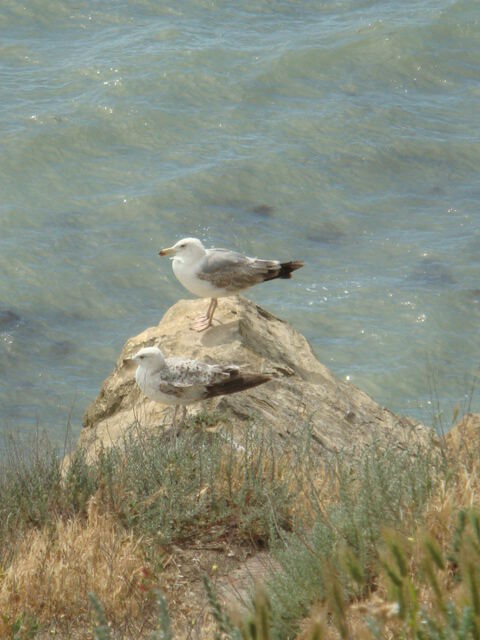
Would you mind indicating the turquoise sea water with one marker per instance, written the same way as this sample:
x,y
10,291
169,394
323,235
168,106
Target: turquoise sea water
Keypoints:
x,y
344,133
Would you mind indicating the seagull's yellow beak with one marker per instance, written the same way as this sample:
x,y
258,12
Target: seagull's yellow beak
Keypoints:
x,y
169,251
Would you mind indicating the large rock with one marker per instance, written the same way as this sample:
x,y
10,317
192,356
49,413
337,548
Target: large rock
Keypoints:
x,y
302,391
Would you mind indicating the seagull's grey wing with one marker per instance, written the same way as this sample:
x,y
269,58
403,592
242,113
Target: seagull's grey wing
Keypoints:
x,y
211,381
186,373
174,390
189,380
233,271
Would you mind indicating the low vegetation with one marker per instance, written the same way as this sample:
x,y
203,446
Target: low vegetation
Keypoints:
x,y
134,544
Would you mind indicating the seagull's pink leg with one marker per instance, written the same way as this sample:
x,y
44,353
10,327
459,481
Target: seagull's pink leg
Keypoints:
x,y
173,428
211,309
204,322
174,419
184,416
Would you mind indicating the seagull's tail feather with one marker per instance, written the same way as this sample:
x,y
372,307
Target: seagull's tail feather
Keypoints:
x,y
238,382
280,269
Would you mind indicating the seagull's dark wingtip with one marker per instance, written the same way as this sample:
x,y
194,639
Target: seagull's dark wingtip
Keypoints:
x,y
235,384
286,268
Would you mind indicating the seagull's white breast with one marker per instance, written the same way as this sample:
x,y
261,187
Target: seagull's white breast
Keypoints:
x,y
148,383
186,274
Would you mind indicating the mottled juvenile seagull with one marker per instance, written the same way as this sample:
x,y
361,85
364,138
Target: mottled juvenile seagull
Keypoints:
x,y
216,273
180,381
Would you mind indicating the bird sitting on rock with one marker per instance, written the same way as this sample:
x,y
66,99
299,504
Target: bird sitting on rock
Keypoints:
x,y
216,273
181,381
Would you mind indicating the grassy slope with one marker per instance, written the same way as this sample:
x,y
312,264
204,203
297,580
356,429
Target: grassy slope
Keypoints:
x,y
386,545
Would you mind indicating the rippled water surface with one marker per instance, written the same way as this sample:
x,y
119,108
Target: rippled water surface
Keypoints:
x,y
343,133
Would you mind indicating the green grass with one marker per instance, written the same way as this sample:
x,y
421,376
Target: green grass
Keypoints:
x,y
383,488
199,483
336,557
169,489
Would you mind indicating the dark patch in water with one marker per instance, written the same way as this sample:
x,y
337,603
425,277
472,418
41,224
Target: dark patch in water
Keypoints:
x,y
473,295
349,89
438,190
328,234
8,319
431,272
263,210
61,348
241,206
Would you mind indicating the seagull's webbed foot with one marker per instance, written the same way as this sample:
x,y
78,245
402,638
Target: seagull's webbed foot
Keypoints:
x,y
205,321
201,323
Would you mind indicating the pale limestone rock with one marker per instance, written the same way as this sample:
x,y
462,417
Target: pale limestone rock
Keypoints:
x,y
302,391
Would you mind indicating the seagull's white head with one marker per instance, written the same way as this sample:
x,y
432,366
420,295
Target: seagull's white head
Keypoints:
x,y
149,358
187,249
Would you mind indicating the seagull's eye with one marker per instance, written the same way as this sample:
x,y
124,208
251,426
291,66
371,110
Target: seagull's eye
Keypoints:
x,y
182,246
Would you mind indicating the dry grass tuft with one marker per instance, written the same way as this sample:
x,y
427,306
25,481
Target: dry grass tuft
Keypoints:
x,y
460,486
54,570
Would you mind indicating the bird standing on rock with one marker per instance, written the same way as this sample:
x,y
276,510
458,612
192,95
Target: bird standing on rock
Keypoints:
x,y
181,381
216,273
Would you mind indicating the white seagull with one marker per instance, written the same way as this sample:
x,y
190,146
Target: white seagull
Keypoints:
x,y
216,273
180,381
